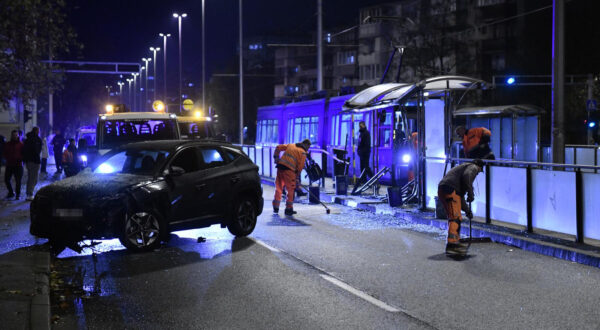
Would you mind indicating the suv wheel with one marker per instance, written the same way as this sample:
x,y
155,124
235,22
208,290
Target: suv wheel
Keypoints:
x,y
244,218
142,230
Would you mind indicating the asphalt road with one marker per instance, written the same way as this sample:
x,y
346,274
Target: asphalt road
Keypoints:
x,y
349,269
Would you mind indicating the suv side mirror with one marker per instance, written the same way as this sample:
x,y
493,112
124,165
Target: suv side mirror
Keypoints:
x,y
175,171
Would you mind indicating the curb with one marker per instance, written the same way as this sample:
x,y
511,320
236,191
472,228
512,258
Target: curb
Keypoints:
x,y
39,317
541,244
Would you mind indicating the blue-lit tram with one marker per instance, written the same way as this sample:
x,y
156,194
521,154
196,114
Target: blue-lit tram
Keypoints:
x,y
329,127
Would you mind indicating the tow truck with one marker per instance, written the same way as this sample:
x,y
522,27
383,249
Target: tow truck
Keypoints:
x,y
196,127
119,126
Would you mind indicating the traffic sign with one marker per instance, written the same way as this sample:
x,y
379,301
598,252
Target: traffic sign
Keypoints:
x,y
188,104
591,105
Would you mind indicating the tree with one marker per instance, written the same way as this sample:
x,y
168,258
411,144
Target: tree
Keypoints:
x,y
32,31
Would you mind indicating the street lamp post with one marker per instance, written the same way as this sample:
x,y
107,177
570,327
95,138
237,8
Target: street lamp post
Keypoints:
x,y
203,62
120,83
108,88
135,74
142,104
179,18
165,36
154,50
241,77
129,80
146,60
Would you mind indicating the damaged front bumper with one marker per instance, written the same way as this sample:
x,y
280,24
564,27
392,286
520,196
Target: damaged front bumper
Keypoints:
x,y
68,221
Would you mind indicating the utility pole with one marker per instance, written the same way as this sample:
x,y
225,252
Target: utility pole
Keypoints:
x,y
203,62
319,45
241,78
590,96
558,82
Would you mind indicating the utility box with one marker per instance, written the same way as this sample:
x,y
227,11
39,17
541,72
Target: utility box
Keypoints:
x,y
314,196
341,185
394,195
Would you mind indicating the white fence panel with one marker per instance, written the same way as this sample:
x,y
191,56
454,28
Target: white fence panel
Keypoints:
x,y
266,161
591,206
554,206
508,195
434,170
478,205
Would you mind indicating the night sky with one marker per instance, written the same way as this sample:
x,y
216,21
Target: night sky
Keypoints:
x,y
123,30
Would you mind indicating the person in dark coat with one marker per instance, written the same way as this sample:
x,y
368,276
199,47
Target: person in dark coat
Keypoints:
x,y
58,143
364,149
2,141
452,189
13,153
32,149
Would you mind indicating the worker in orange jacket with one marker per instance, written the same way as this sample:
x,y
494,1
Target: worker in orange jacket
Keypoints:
x,y
289,167
476,142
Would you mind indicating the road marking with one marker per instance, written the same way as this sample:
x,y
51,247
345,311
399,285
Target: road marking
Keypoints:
x,y
326,276
265,245
361,294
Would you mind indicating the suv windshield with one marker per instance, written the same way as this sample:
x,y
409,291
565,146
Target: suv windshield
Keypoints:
x,y
142,162
196,130
118,132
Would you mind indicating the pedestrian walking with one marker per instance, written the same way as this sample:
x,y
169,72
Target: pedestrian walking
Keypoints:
x,y
451,192
58,143
45,154
32,150
288,167
476,142
70,159
13,153
2,141
364,149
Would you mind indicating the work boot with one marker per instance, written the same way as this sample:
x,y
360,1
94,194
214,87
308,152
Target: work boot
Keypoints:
x,y
457,249
9,196
290,212
275,209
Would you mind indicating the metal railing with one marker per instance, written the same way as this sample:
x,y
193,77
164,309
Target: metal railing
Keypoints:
x,y
529,166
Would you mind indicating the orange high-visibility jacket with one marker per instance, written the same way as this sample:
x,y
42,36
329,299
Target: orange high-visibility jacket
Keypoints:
x,y
474,136
293,157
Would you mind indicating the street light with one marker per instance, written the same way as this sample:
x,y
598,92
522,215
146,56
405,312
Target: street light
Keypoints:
x,y
120,83
135,74
203,60
129,80
154,50
108,88
146,60
165,36
142,105
179,18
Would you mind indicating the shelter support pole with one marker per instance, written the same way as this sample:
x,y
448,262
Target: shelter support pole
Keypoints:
x,y
579,206
529,195
558,82
488,197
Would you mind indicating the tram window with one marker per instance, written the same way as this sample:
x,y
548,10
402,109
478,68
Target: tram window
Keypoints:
x,y
267,131
384,137
303,128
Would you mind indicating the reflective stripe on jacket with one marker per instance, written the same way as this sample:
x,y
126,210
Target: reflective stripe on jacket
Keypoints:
x,y
293,157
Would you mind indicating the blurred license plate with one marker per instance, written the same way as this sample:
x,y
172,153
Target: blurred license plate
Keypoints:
x,y
68,213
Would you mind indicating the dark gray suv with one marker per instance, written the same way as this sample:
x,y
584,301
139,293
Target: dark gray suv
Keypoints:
x,y
140,192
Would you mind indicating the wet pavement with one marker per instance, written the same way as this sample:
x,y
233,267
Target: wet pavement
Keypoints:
x,y
348,269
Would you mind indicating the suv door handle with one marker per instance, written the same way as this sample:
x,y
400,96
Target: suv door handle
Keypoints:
x,y
200,186
235,179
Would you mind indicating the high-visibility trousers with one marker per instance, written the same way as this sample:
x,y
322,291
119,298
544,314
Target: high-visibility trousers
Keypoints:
x,y
287,179
452,205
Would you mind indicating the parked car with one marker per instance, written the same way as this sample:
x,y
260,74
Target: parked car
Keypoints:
x,y
140,192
